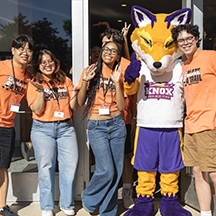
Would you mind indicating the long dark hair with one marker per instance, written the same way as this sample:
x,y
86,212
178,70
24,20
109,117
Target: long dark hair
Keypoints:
x,y
95,82
58,76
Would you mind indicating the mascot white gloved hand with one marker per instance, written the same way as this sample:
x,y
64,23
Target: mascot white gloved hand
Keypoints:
x,y
155,76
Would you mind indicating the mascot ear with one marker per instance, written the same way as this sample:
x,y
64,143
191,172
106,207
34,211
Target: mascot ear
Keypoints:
x,y
142,17
179,17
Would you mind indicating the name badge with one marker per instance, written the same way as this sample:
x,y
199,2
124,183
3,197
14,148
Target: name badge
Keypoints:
x,y
58,114
15,108
104,111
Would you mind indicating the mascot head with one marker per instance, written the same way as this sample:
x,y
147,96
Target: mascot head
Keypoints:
x,y
152,39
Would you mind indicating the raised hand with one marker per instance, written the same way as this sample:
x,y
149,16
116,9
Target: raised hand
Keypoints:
x,y
125,30
102,24
133,70
37,85
89,72
116,74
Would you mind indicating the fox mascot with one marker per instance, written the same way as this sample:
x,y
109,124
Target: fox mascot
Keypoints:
x,y
154,74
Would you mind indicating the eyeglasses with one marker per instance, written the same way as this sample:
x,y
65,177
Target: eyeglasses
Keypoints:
x,y
189,39
22,50
113,51
44,64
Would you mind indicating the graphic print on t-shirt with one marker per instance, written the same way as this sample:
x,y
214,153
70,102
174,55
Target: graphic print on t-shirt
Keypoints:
x,y
154,90
106,84
20,87
192,77
54,93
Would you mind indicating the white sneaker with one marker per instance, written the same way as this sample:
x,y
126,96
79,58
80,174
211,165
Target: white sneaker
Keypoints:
x,y
68,212
127,197
47,213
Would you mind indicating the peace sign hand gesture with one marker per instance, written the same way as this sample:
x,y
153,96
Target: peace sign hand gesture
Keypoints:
x,y
125,30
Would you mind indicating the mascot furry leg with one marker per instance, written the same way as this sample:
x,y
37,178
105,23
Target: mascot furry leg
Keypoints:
x,y
169,205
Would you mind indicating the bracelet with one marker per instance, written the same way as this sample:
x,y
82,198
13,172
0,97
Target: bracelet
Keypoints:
x,y
85,80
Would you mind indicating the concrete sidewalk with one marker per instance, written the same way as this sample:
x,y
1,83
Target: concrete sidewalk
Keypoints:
x,y
33,209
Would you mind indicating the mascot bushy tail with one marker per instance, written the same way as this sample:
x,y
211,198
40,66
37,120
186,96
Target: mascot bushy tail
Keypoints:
x,y
152,42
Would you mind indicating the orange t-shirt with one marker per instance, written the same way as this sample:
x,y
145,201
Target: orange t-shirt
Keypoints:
x,y
124,63
129,110
107,88
61,91
8,96
199,77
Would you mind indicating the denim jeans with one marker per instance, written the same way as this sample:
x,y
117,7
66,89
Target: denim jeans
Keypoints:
x,y
106,138
51,142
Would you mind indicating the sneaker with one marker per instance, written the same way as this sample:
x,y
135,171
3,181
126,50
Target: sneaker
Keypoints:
x,y
7,212
47,213
68,211
127,197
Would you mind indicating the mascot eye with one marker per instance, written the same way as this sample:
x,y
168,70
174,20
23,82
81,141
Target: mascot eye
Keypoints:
x,y
169,43
149,43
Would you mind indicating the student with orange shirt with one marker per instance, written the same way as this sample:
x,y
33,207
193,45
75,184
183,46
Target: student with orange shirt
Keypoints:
x,y
13,82
51,98
129,111
101,86
199,79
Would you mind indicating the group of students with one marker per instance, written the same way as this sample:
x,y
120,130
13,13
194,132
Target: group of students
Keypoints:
x,y
52,96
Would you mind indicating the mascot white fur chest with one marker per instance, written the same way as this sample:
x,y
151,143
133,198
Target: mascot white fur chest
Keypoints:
x,y
155,76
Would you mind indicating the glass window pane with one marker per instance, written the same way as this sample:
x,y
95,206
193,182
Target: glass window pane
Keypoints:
x,y
49,23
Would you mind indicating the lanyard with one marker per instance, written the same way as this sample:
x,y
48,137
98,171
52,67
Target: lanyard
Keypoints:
x,y
106,90
14,78
53,92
